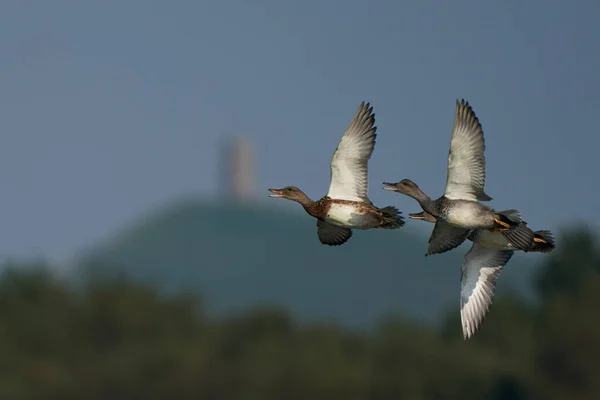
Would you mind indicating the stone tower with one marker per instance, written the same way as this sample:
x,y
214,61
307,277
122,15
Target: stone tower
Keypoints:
x,y
238,182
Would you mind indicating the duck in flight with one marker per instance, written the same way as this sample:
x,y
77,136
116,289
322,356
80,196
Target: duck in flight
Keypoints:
x,y
459,211
481,266
346,205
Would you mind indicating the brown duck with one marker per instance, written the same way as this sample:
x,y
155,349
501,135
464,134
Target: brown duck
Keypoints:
x,y
346,205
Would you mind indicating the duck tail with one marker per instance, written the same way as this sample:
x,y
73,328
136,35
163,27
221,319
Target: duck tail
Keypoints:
x,y
507,218
391,218
514,229
543,241
520,236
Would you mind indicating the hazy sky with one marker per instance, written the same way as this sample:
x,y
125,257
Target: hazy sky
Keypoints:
x,y
110,109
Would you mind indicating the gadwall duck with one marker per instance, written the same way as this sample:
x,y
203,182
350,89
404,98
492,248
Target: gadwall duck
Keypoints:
x,y
482,264
346,205
458,211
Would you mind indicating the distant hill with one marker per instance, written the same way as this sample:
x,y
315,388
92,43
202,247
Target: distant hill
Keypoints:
x,y
241,256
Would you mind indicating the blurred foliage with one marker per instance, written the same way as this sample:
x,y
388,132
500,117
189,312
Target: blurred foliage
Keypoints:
x,y
113,339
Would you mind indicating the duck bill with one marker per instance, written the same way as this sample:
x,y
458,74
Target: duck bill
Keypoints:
x,y
423,216
390,186
275,193
420,216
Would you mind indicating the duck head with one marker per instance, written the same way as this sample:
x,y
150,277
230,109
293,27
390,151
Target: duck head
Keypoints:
x,y
288,192
405,186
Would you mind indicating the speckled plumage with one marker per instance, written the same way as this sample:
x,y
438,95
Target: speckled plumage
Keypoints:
x,y
346,205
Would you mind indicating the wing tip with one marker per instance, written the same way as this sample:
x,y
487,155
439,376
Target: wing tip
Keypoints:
x,y
366,108
465,115
471,322
363,125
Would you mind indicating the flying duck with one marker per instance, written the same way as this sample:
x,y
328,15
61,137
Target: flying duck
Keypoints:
x,y
346,205
458,211
482,264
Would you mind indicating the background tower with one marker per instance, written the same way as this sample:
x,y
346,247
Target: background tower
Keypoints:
x,y
238,181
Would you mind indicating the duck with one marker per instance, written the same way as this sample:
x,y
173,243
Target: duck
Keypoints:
x,y
346,205
458,210
481,267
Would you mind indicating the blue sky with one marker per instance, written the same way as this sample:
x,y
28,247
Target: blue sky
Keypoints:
x,y
112,108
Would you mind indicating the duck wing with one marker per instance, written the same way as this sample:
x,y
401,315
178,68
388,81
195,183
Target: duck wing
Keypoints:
x,y
466,159
480,270
332,235
446,237
349,165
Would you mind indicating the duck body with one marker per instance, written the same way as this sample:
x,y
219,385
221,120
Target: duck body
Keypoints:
x,y
543,240
355,214
461,213
490,239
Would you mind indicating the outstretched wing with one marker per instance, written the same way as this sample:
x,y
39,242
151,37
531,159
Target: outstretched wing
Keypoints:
x,y
466,159
480,271
349,165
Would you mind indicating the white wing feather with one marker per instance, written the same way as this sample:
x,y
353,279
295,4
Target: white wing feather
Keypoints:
x,y
349,165
480,271
466,159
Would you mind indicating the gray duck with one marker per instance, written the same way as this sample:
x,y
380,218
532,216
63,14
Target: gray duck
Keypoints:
x,y
458,210
481,267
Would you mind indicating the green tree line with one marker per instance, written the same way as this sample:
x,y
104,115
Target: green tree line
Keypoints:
x,y
115,339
